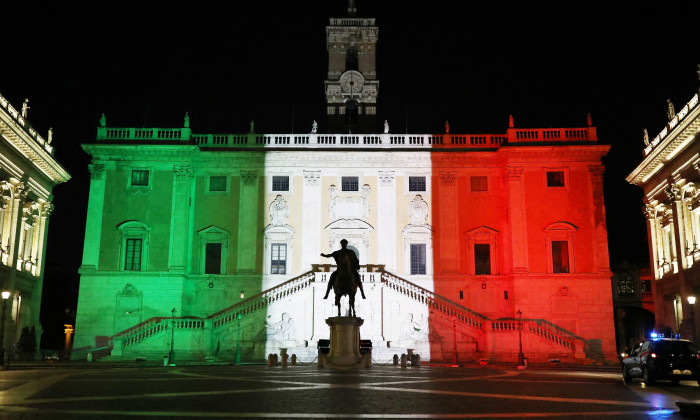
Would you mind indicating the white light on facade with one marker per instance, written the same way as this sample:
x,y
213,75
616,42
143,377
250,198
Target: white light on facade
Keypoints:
x,y
691,300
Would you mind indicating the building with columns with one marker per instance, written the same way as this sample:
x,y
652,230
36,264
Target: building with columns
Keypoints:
x,y
472,246
28,173
668,174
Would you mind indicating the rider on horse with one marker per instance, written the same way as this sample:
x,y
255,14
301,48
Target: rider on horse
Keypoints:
x,y
354,262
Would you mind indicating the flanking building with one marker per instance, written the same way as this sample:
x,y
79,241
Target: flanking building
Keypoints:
x,y
671,183
28,173
473,246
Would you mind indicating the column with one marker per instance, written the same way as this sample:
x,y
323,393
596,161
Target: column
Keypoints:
x,y
19,197
248,222
602,259
46,210
311,220
93,224
685,286
518,218
180,218
386,220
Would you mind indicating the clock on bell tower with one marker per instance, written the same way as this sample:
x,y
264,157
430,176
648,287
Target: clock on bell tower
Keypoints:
x,y
351,85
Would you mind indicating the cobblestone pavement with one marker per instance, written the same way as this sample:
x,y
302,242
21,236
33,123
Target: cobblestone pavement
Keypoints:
x,y
308,392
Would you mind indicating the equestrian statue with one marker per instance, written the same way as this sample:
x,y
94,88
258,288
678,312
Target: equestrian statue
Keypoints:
x,y
345,280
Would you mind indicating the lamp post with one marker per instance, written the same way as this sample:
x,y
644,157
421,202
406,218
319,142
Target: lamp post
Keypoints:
x,y
5,296
454,333
171,355
238,341
521,356
691,302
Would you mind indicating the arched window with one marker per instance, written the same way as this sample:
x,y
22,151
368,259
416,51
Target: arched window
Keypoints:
x,y
133,237
559,240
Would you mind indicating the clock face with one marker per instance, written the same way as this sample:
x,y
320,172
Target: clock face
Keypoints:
x,y
351,82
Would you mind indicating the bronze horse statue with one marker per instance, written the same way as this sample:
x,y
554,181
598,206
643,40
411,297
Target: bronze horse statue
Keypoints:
x,y
344,283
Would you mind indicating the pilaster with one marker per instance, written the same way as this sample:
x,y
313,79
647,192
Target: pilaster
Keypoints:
x,y
180,218
386,219
602,259
518,226
248,222
446,211
93,223
311,220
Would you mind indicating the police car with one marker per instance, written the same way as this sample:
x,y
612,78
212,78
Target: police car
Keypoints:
x,y
662,358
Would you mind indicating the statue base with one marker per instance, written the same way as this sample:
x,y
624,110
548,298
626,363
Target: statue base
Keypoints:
x,y
345,345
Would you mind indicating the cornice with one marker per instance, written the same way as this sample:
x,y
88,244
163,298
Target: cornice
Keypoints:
x,y
676,142
31,150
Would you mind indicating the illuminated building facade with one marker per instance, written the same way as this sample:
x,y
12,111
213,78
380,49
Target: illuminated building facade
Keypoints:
x,y
28,173
472,245
671,183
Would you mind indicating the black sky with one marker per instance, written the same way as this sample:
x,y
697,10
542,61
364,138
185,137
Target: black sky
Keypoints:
x,y
473,63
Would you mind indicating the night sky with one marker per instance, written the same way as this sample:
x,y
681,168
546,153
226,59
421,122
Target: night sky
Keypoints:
x,y
473,63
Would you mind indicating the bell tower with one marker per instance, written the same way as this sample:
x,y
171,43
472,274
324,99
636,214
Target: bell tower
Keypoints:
x,y
351,86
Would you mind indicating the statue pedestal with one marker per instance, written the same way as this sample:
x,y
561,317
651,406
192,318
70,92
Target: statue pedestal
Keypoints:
x,y
345,344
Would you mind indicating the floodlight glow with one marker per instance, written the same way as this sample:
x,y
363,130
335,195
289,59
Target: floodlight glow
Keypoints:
x,y
5,294
691,300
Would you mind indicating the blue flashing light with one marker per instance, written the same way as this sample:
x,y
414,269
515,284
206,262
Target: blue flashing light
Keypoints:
x,y
654,335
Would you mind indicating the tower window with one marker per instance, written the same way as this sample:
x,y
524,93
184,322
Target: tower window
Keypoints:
x,y
350,183
351,60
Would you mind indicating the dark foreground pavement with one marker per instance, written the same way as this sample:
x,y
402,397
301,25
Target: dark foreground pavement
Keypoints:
x,y
98,392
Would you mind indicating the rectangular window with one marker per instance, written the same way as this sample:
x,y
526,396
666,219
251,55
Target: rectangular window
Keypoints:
x,y
279,259
479,183
418,259
555,178
280,183
212,258
139,178
217,183
560,256
350,183
132,261
482,259
416,183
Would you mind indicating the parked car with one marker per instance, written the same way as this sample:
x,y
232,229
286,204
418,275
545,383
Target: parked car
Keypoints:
x,y
662,358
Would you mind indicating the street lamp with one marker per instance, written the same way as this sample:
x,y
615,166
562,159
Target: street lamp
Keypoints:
x,y
521,356
454,333
171,355
691,301
5,296
238,341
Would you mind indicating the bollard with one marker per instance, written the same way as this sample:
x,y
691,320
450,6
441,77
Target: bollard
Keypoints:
x,y
276,359
269,359
89,357
368,359
294,359
403,360
285,356
165,360
416,361
396,359
321,359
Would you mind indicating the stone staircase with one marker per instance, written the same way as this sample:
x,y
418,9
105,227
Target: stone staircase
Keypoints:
x,y
203,335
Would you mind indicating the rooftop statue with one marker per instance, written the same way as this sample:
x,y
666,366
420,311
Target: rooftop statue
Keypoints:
x,y
49,138
187,120
103,120
386,127
646,137
447,127
345,280
314,127
671,110
25,107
